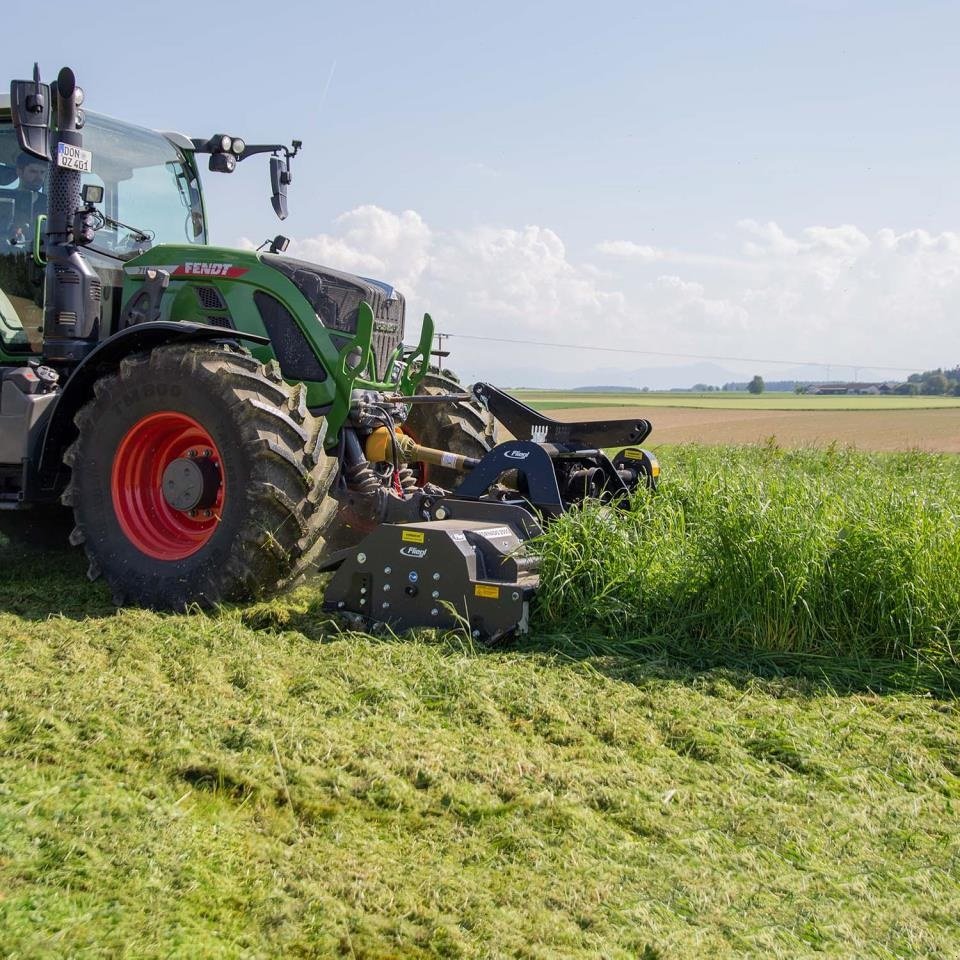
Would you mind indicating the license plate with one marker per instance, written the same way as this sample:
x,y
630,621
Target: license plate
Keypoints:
x,y
74,158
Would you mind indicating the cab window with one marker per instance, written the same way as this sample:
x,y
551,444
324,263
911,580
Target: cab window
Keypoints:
x,y
22,200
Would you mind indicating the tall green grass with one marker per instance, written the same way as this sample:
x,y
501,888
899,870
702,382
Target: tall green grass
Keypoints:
x,y
763,551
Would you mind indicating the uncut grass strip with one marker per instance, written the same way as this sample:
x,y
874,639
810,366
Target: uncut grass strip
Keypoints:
x,y
836,613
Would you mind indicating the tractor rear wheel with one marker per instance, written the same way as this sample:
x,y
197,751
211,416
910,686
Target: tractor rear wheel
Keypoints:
x,y
464,428
198,476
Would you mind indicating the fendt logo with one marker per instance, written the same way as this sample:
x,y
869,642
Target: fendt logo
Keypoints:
x,y
416,553
517,454
208,270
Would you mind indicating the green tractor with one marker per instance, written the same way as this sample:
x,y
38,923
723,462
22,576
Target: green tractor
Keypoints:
x,y
209,423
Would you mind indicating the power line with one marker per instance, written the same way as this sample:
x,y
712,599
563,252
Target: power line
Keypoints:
x,y
684,356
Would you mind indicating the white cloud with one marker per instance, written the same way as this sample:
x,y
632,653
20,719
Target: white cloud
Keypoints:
x,y
685,305
644,253
831,293
887,297
375,242
496,281
517,279
630,250
769,240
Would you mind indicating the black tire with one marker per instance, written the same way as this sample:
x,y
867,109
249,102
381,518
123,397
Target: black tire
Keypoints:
x,y
464,427
274,506
44,527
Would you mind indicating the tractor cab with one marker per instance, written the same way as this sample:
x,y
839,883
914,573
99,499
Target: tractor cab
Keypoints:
x,y
151,196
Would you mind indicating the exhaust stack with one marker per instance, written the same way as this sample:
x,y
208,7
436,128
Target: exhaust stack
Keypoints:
x,y
71,320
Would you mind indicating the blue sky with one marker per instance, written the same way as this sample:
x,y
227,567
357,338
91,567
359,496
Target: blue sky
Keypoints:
x,y
770,180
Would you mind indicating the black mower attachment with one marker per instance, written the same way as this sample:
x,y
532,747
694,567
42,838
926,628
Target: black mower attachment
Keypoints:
x,y
467,560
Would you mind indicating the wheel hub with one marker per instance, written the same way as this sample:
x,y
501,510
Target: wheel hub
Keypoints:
x,y
168,485
191,483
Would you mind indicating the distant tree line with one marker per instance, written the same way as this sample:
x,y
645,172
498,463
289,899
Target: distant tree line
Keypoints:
x,y
780,386
933,383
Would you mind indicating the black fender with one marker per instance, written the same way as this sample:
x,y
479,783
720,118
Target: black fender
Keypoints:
x,y
104,359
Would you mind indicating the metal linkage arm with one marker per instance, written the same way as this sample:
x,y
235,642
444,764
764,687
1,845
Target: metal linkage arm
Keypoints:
x,y
525,423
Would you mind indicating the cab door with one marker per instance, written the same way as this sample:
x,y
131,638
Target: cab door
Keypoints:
x,y
22,200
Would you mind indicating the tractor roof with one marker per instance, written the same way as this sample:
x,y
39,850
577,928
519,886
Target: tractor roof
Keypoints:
x,y
178,139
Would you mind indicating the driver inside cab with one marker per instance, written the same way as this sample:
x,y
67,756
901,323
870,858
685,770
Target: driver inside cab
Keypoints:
x,y
21,280
27,202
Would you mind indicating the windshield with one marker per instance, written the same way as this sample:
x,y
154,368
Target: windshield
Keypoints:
x,y
150,192
150,196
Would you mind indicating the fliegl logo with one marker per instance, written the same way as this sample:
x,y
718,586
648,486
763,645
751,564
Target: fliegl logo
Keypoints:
x,y
198,269
415,553
517,454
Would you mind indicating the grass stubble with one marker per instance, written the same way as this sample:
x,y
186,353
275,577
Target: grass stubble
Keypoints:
x,y
733,732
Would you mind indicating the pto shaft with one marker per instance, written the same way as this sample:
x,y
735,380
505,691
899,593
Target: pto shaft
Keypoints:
x,y
379,448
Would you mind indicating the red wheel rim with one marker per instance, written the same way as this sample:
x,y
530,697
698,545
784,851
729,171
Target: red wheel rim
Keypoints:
x,y
151,524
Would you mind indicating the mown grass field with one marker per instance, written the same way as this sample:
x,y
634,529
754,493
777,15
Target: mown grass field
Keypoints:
x,y
732,732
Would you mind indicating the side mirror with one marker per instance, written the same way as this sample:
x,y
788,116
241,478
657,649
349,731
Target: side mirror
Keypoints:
x,y
279,178
30,110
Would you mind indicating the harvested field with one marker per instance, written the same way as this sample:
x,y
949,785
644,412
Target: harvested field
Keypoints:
x,y
732,732
934,430
733,400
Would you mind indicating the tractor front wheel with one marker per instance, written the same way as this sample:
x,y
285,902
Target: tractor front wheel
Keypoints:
x,y
464,428
198,476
